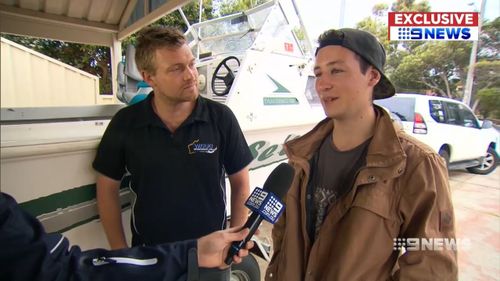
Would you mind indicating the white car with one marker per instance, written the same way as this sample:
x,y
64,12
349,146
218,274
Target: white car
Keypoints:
x,y
450,128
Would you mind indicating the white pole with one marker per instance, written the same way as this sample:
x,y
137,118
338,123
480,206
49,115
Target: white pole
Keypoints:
x,y
342,13
472,62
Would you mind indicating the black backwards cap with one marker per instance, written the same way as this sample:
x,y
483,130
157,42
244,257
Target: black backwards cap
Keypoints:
x,y
366,46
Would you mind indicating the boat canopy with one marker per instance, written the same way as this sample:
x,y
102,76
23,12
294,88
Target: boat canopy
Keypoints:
x,y
82,21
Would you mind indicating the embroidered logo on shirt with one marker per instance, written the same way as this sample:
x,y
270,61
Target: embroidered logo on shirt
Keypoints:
x,y
196,147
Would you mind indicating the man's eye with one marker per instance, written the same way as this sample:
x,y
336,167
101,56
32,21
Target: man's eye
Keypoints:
x,y
317,75
335,70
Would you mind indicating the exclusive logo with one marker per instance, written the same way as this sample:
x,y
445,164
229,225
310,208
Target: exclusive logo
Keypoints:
x,y
196,147
433,26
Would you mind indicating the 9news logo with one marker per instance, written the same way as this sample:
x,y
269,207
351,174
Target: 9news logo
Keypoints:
x,y
433,26
266,204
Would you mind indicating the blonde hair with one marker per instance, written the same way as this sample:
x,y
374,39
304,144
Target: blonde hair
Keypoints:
x,y
152,38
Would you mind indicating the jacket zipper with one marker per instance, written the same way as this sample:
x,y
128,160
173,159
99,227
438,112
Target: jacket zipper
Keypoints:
x,y
112,260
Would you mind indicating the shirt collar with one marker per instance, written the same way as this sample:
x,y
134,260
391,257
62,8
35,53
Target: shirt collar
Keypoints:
x,y
149,117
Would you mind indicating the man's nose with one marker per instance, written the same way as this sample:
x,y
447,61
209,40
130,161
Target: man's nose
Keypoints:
x,y
322,85
190,73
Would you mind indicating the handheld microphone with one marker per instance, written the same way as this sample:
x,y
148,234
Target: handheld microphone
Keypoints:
x,y
265,204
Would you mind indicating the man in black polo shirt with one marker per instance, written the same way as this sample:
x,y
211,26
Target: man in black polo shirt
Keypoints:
x,y
176,146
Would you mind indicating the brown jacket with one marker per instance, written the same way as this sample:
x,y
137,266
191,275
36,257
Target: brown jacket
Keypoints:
x,y
402,191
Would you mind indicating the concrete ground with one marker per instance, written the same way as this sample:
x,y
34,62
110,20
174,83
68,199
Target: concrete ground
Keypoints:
x,y
476,200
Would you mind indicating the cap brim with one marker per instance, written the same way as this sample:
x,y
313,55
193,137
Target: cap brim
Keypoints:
x,y
384,88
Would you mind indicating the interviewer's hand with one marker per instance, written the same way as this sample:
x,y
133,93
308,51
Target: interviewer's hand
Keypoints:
x,y
213,248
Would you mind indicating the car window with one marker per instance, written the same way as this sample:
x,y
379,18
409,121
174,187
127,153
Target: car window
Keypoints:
x,y
436,110
469,120
453,113
402,107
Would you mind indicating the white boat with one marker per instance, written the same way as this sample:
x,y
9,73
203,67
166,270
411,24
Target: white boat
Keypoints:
x,y
251,61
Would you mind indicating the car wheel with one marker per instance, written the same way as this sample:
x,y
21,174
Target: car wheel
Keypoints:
x,y
247,270
488,165
446,156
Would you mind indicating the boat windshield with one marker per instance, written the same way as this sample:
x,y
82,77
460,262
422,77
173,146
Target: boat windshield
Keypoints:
x,y
235,33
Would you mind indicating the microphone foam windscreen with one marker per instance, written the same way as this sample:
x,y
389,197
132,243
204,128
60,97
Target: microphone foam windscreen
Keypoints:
x,y
279,180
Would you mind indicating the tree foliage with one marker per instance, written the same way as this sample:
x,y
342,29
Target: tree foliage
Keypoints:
x,y
487,84
487,74
228,7
487,70
434,66
191,11
490,102
490,40
410,6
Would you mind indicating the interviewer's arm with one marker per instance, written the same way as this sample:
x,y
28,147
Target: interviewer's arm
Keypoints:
x,y
28,253
110,211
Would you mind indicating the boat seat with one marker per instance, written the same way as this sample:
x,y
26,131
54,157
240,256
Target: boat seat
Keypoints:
x,y
131,87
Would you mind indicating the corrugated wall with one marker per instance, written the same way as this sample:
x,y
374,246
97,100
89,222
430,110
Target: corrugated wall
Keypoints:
x,y
31,79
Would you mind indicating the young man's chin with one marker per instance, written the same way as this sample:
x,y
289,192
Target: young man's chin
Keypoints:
x,y
333,114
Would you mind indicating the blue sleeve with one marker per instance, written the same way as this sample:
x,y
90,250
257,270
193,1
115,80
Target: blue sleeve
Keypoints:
x,y
28,253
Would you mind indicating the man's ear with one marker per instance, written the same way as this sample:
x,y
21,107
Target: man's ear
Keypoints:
x,y
147,77
374,76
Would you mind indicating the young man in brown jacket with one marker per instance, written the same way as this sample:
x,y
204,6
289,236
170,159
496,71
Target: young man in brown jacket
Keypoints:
x,y
361,186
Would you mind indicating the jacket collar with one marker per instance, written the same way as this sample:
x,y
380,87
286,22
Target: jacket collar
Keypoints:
x,y
384,149
147,115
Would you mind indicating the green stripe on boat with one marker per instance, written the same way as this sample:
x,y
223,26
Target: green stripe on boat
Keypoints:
x,y
60,200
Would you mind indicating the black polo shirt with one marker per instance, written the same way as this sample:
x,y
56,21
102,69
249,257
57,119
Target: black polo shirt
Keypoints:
x,y
178,178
